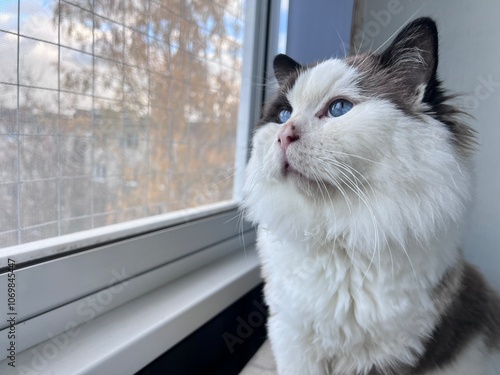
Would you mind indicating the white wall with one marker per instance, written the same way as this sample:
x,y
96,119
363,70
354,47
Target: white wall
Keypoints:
x,y
469,59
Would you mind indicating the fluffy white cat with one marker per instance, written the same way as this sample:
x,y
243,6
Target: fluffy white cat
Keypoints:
x,y
358,180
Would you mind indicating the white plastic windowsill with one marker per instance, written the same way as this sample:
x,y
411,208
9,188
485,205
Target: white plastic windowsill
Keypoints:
x,y
127,338
60,244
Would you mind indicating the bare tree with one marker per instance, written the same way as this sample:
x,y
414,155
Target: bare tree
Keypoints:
x,y
172,75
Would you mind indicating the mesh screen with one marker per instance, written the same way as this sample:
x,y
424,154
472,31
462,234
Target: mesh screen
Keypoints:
x,y
113,110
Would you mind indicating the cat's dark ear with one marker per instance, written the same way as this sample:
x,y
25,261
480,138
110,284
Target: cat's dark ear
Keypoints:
x,y
284,66
414,52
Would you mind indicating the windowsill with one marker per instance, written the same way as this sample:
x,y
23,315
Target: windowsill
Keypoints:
x,y
262,363
61,245
129,337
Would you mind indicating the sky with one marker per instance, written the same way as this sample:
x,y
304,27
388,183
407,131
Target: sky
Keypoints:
x,y
38,59
282,34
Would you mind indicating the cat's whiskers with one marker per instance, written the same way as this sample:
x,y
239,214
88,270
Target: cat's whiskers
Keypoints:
x,y
376,246
375,196
356,190
354,171
321,184
403,247
360,44
341,40
365,59
251,180
363,198
355,185
343,153
404,24
342,168
338,186
242,237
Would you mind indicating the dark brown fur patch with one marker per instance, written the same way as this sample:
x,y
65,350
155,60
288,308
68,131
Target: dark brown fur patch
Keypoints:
x,y
474,311
398,73
378,81
286,76
469,307
280,101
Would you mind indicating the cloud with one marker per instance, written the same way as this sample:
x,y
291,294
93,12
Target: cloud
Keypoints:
x,y
283,26
284,6
8,21
38,64
6,17
8,56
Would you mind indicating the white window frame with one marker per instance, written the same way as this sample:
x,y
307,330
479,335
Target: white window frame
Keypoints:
x,y
55,274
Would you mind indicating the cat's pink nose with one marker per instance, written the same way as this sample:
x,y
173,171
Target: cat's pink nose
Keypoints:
x,y
287,134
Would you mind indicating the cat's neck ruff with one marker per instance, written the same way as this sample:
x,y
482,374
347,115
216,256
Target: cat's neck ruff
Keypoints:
x,y
372,307
344,267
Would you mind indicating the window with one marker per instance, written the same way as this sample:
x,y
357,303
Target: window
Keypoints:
x,y
113,111
124,129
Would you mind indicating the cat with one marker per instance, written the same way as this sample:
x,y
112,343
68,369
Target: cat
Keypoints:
x,y
359,180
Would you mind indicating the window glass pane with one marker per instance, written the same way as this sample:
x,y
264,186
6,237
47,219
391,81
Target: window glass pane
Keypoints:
x,y
114,110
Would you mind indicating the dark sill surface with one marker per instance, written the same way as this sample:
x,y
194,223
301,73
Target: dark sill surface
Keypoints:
x,y
222,346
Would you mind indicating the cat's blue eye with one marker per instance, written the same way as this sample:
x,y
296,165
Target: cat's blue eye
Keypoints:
x,y
284,115
339,107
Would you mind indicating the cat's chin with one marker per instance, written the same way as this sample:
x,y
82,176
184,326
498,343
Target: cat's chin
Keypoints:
x,y
290,173
287,169
304,184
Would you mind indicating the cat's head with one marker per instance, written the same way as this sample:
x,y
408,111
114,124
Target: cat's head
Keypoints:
x,y
361,140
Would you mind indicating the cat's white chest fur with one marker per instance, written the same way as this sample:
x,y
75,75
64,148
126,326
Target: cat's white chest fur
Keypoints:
x,y
330,301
